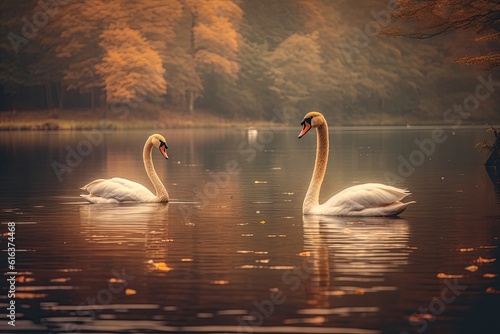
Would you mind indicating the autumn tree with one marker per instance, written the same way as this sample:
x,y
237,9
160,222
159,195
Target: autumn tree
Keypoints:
x,y
131,68
106,47
213,43
426,19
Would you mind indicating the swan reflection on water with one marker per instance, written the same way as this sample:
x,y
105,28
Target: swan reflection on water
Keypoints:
x,y
117,226
352,257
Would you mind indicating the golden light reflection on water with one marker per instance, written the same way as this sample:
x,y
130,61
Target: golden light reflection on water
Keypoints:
x,y
143,225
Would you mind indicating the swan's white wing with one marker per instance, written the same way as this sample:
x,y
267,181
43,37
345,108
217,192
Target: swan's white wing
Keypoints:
x,y
117,190
370,199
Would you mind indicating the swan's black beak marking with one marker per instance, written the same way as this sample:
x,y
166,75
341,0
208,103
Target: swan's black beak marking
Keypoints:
x,y
163,149
306,126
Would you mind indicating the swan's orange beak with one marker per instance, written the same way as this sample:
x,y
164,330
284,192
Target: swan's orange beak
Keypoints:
x,y
306,126
163,149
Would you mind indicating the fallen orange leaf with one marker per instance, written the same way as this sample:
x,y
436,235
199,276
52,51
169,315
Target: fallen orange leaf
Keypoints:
x,y
443,275
472,268
490,275
483,260
492,290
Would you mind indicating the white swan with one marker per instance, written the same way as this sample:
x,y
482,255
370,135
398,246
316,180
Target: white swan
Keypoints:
x,y
370,199
118,190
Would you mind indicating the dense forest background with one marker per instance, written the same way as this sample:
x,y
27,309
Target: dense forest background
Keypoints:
x,y
240,59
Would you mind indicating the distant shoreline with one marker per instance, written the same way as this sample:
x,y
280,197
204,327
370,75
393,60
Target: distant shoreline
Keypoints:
x,y
55,120
77,120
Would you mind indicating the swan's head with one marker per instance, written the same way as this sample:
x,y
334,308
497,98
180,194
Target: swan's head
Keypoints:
x,y
312,119
160,142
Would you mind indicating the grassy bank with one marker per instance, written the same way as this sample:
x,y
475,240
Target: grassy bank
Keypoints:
x,y
76,119
88,119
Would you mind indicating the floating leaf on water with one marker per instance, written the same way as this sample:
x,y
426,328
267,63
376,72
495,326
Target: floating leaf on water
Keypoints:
x,y
69,270
116,280
260,182
249,266
186,260
465,249
489,290
261,252
60,280
282,267
488,275
443,275
162,266
472,268
262,221
262,261
130,292
305,254
415,318
335,293
220,282
483,260
314,320
170,308
29,295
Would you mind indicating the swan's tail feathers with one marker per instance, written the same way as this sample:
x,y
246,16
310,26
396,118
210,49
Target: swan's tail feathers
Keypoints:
x,y
88,185
98,200
396,208
87,197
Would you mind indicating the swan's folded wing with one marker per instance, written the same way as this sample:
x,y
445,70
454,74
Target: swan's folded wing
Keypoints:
x,y
122,190
368,196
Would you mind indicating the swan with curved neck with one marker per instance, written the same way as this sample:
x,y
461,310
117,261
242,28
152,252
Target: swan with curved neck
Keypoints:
x,y
370,199
117,190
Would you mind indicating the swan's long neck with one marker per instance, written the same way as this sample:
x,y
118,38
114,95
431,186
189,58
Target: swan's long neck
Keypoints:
x,y
161,192
312,196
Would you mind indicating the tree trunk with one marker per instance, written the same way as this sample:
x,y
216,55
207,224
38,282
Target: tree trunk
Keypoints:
x,y
92,98
61,91
102,97
190,96
48,96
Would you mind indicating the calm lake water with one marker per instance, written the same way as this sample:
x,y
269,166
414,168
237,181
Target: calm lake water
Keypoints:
x,y
232,252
